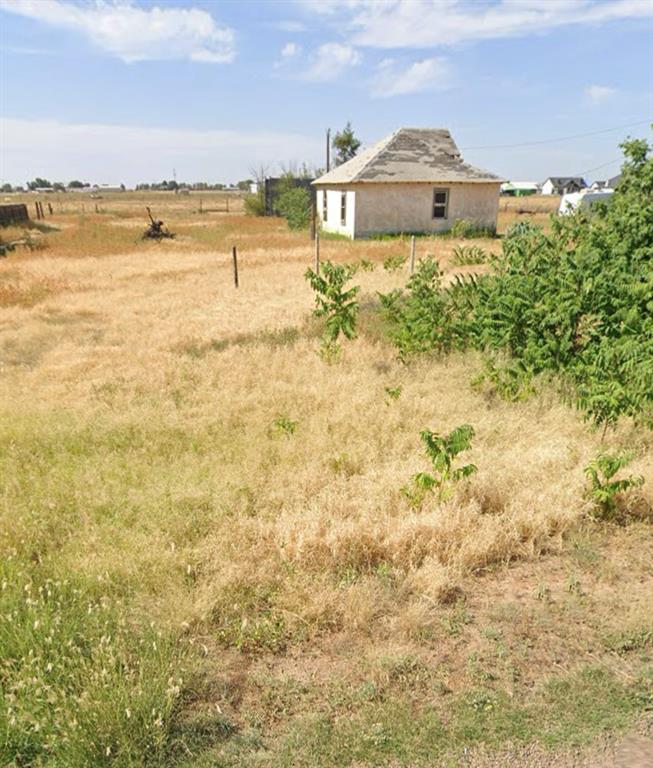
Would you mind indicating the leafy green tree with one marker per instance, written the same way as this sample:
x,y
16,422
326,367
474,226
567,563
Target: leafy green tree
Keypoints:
x,y
38,182
345,145
75,184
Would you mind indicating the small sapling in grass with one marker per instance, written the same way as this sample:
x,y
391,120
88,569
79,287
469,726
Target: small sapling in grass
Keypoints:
x,y
393,392
394,263
468,254
284,425
336,303
442,451
603,489
366,265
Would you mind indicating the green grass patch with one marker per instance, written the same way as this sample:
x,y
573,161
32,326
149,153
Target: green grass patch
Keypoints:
x,y
80,685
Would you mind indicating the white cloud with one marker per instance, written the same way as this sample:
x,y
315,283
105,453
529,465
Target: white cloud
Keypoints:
x,y
428,23
426,75
133,33
130,154
289,53
290,50
331,60
599,94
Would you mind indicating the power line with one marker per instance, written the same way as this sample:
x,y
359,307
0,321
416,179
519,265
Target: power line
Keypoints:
x,y
603,165
561,138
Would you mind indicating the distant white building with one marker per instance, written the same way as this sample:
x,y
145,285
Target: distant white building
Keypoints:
x,y
562,185
100,188
414,180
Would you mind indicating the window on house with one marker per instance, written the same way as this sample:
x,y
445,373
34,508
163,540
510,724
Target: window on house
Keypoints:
x,y
343,208
324,205
440,203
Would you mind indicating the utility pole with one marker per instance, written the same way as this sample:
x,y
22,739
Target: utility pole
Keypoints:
x,y
328,150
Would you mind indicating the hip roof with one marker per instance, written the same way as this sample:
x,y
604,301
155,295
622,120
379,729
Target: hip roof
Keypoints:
x,y
409,155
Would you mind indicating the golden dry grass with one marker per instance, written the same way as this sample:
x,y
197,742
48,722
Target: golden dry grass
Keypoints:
x,y
123,337
143,388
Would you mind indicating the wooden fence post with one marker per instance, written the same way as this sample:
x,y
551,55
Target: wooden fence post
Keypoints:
x,y
235,258
313,224
38,213
412,254
50,208
317,254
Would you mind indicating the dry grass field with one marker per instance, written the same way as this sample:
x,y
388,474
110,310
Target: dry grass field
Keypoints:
x,y
207,557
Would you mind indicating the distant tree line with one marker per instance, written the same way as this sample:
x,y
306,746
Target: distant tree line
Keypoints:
x,y
169,186
198,186
345,145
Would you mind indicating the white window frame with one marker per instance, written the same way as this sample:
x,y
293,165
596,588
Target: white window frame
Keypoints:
x,y
343,209
325,206
445,205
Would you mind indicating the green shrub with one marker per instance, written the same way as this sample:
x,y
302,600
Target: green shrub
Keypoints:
x,y
576,304
255,204
468,254
295,206
466,230
418,318
604,490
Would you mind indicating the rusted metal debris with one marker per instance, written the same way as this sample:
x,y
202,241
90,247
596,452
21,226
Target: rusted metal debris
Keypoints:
x,y
156,230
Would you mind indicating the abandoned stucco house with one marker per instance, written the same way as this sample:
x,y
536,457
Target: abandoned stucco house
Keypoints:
x,y
412,181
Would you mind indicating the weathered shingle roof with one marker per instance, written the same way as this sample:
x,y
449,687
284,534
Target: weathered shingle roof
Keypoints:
x,y
409,155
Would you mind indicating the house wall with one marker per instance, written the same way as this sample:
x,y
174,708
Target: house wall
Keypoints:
x,y
409,207
548,188
333,222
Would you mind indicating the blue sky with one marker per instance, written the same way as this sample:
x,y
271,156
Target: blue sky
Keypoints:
x,y
127,90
